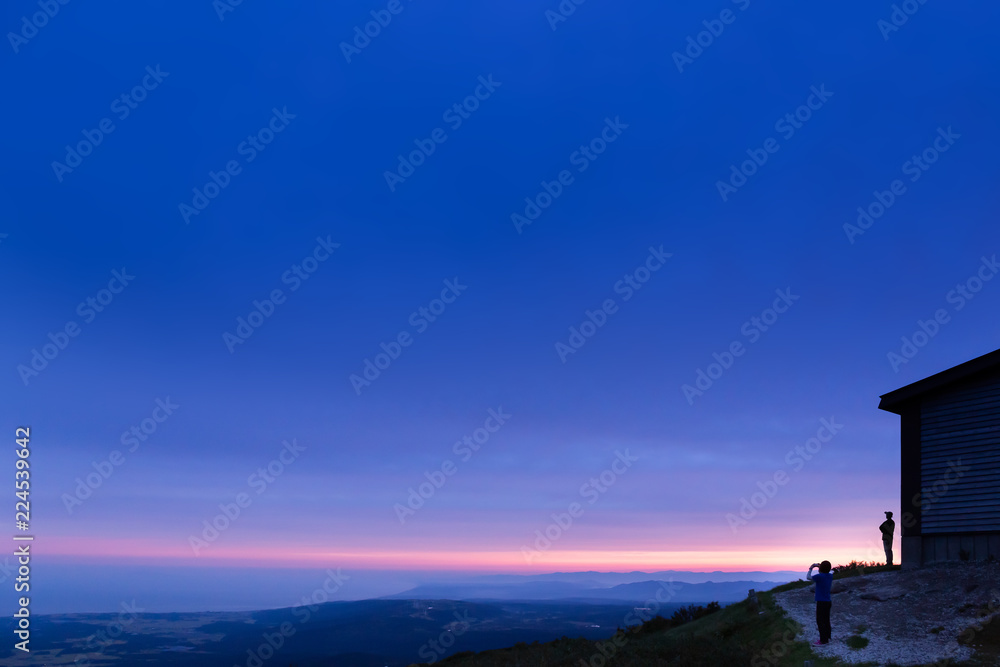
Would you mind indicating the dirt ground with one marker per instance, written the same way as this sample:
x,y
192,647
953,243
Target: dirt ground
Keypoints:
x,y
910,617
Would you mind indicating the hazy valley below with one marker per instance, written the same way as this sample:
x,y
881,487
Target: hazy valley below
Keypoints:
x,y
424,623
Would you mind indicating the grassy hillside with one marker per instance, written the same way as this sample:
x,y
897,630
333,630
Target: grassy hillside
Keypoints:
x,y
734,635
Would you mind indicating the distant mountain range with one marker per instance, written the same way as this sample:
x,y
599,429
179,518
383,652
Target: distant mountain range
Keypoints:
x,y
636,587
614,578
638,592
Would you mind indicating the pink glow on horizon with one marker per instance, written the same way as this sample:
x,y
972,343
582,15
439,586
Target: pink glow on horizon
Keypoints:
x,y
171,553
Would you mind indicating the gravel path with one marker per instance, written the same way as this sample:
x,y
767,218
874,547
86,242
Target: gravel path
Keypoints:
x,y
910,617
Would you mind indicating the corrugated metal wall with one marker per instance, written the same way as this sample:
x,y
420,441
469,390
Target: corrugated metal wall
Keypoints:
x,y
949,547
960,459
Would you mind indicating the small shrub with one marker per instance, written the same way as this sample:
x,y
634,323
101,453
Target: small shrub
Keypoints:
x,y
458,657
856,568
692,613
656,624
683,615
857,641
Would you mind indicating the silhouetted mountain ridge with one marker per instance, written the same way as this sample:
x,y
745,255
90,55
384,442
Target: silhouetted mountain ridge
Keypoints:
x,y
615,578
637,592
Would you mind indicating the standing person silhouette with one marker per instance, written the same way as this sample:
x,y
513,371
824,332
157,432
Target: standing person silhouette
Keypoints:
x,y
888,527
824,582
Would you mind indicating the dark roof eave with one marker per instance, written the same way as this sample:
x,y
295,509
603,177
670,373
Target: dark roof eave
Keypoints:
x,y
896,401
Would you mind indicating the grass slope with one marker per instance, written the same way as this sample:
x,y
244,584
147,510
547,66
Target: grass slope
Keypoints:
x,y
734,635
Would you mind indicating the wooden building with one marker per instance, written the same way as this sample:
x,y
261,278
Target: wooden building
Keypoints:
x,y
950,446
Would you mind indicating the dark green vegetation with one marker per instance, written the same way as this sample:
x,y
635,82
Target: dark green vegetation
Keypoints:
x,y
697,636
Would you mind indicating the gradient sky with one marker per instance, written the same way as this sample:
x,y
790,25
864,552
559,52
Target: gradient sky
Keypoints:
x,y
891,95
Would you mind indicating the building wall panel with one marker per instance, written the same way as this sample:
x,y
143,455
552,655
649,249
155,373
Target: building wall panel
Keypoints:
x,y
960,463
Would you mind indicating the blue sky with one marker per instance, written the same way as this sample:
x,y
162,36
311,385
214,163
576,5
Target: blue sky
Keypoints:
x,y
328,132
